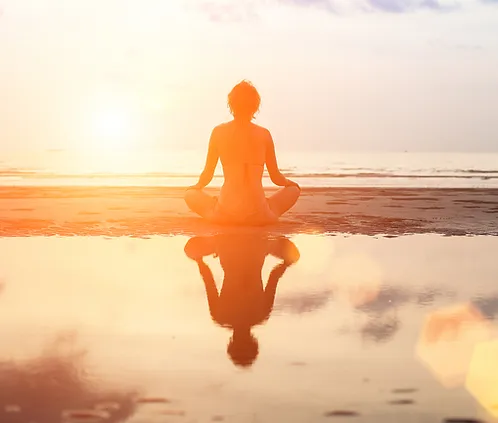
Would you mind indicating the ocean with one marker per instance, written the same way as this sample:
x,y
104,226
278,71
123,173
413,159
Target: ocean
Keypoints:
x,y
309,169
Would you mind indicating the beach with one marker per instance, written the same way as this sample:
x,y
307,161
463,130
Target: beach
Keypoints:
x,y
146,211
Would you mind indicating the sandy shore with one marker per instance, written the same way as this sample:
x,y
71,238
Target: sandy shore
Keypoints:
x,y
143,211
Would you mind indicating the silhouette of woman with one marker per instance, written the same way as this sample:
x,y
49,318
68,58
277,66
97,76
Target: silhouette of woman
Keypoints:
x,y
243,301
244,149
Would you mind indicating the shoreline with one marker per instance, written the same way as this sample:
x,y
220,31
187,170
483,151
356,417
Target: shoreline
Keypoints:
x,y
147,211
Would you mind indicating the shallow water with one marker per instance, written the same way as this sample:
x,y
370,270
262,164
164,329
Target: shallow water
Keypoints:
x,y
171,168
362,329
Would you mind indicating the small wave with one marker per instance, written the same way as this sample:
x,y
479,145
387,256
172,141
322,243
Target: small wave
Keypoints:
x,y
29,174
467,171
472,171
96,175
388,175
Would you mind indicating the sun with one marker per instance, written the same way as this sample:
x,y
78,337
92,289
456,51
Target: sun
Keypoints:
x,y
112,127
112,124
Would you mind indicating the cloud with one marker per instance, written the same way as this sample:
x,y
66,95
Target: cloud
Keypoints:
x,y
328,5
302,303
229,11
469,47
388,6
245,10
401,6
488,306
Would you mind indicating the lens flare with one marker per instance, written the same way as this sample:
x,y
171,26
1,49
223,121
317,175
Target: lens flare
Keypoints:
x,y
447,342
482,378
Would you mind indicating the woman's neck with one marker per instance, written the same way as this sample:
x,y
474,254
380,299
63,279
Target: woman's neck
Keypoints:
x,y
242,121
241,332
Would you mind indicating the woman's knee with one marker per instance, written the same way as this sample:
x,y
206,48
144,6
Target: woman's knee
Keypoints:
x,y
191,197
294,191
199,202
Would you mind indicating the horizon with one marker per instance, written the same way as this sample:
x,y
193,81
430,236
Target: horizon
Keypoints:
x,y
180,168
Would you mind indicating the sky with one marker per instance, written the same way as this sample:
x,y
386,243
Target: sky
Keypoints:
x,y
359,75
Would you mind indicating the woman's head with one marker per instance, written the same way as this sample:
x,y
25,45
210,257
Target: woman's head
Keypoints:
x,y
244,101
243,349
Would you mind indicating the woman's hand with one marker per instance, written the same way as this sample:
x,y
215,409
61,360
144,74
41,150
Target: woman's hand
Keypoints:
x,y
290,183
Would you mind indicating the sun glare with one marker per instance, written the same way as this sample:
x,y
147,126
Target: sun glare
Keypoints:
x,y
112,124
112,128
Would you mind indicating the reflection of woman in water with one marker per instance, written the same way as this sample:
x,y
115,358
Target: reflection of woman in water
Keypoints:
x,y
244,149
243,301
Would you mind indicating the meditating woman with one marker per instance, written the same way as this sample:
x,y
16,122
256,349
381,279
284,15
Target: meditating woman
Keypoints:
x,y
244,149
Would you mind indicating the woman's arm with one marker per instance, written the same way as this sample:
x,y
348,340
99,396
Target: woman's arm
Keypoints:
x,y
286,250
271,165
196,249
271,286
211,290
211,162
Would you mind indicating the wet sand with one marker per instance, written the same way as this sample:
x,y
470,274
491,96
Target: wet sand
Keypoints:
x,y
362,329
143,211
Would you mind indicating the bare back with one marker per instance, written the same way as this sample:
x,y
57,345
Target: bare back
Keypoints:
x,y
242,148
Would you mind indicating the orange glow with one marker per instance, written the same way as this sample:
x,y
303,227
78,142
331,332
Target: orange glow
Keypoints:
x,y
110,120
448,339
112,124
112,127
482,378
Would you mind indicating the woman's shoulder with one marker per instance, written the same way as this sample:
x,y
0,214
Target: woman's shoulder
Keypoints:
x,y
224,129
261,132
260,128
223,125
229,124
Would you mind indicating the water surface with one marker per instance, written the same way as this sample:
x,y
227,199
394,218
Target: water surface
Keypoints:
x,y
165,167
360,328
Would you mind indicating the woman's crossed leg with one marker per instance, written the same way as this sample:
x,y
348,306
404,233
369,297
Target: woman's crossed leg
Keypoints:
x,y
205,205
